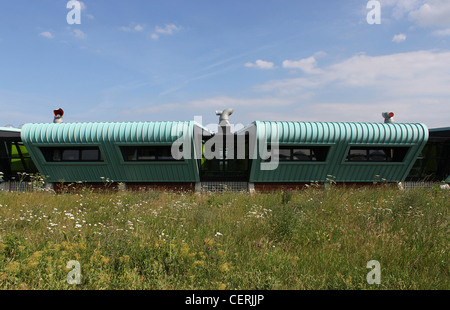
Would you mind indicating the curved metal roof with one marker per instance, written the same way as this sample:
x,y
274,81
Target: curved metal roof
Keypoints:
x,y
76,133
355,133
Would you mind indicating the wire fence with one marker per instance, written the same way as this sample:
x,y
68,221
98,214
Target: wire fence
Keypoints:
x,y
17,186
421,184
224,186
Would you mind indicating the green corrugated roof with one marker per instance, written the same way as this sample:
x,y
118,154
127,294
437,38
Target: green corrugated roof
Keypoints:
x,y
331,132
135,132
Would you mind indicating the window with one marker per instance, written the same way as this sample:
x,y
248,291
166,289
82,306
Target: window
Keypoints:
x,y
308,153
377,154
72,154
285,154
147,153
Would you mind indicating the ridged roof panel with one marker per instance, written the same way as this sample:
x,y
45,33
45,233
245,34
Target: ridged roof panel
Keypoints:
x,y
78,133
332,132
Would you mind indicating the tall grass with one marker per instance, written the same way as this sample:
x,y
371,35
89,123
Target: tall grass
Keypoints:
x,y
311,239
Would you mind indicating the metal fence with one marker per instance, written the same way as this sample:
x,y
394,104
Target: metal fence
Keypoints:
x,y
16,186
224,186
420,184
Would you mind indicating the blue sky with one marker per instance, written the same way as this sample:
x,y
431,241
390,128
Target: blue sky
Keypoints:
x,y
144,60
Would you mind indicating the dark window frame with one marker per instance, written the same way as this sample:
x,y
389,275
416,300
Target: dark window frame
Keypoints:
x,y
317,153
154,153
56,154
377,154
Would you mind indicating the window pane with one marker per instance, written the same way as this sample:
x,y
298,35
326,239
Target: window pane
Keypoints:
x,y
90,155
61,154
71,155
320,153
129,153
378,155
384,154
302,154
146,153
55,155
285,154
357,155
399,153
51,154
165,153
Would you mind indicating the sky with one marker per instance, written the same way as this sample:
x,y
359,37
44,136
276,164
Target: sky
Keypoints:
x,y
178,60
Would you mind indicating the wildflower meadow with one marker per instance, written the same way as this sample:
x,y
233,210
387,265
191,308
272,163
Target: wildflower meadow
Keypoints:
x,y
314,239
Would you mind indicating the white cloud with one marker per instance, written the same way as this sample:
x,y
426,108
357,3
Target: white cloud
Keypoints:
x,y
442,32
403,74
132,28
47,34
168,29
401,7
432,13
307,65
79,34
401,37
260,64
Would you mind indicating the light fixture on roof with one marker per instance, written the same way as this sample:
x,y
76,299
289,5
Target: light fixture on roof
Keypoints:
x,y
58,116
388,117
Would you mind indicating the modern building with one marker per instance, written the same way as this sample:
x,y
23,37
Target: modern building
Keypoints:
x,y
264,155
339,152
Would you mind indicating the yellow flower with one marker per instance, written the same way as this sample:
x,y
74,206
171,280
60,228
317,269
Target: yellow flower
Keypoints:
x,y
36,255
184,250
222,287
104,277
31,265
13,267
224,267
65,245
208,242
199,263
105,260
